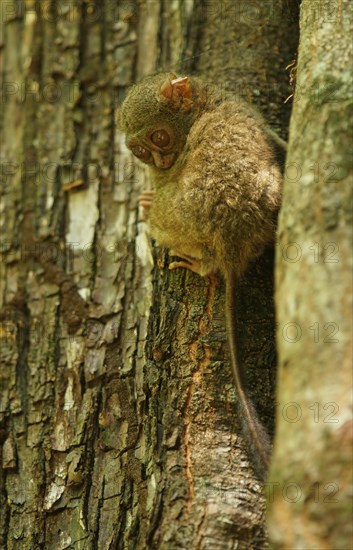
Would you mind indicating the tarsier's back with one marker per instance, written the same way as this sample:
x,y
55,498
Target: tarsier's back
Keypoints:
x,y
230,185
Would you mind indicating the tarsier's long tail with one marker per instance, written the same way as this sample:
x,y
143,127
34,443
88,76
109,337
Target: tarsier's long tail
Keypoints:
x,y
254,432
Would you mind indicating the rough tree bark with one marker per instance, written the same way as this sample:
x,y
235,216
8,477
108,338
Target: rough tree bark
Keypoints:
x,y
109,440
310,488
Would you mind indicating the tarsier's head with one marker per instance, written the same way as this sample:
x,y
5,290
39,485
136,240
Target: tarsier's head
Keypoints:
x,y
156,116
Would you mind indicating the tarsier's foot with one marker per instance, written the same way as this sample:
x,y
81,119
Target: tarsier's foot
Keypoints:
x,y
145,200
191,263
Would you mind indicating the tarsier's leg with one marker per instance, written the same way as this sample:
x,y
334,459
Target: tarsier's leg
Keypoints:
x,y
145,200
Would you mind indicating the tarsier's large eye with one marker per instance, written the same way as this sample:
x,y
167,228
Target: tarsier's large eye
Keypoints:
x,y
161,138
141,153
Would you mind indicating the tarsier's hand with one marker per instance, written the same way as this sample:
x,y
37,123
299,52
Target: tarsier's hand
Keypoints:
x,y
145,200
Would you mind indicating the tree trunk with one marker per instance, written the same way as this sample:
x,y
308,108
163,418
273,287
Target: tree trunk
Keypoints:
x,y
117,419
310,486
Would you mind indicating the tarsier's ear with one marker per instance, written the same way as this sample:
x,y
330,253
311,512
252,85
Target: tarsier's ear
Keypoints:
x,y
177,91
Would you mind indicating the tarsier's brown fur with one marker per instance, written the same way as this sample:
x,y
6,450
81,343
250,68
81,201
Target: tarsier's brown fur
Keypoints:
x,y
217,190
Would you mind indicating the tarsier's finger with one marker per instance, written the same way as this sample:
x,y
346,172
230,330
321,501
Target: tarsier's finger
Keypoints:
x,y
194,265
145,200
146,195
175,265
181,255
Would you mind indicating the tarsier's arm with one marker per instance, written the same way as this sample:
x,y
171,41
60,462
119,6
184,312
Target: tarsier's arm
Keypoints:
x,y
189,262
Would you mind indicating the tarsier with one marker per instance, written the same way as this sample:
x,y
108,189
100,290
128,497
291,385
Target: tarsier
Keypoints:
x,y
217,191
